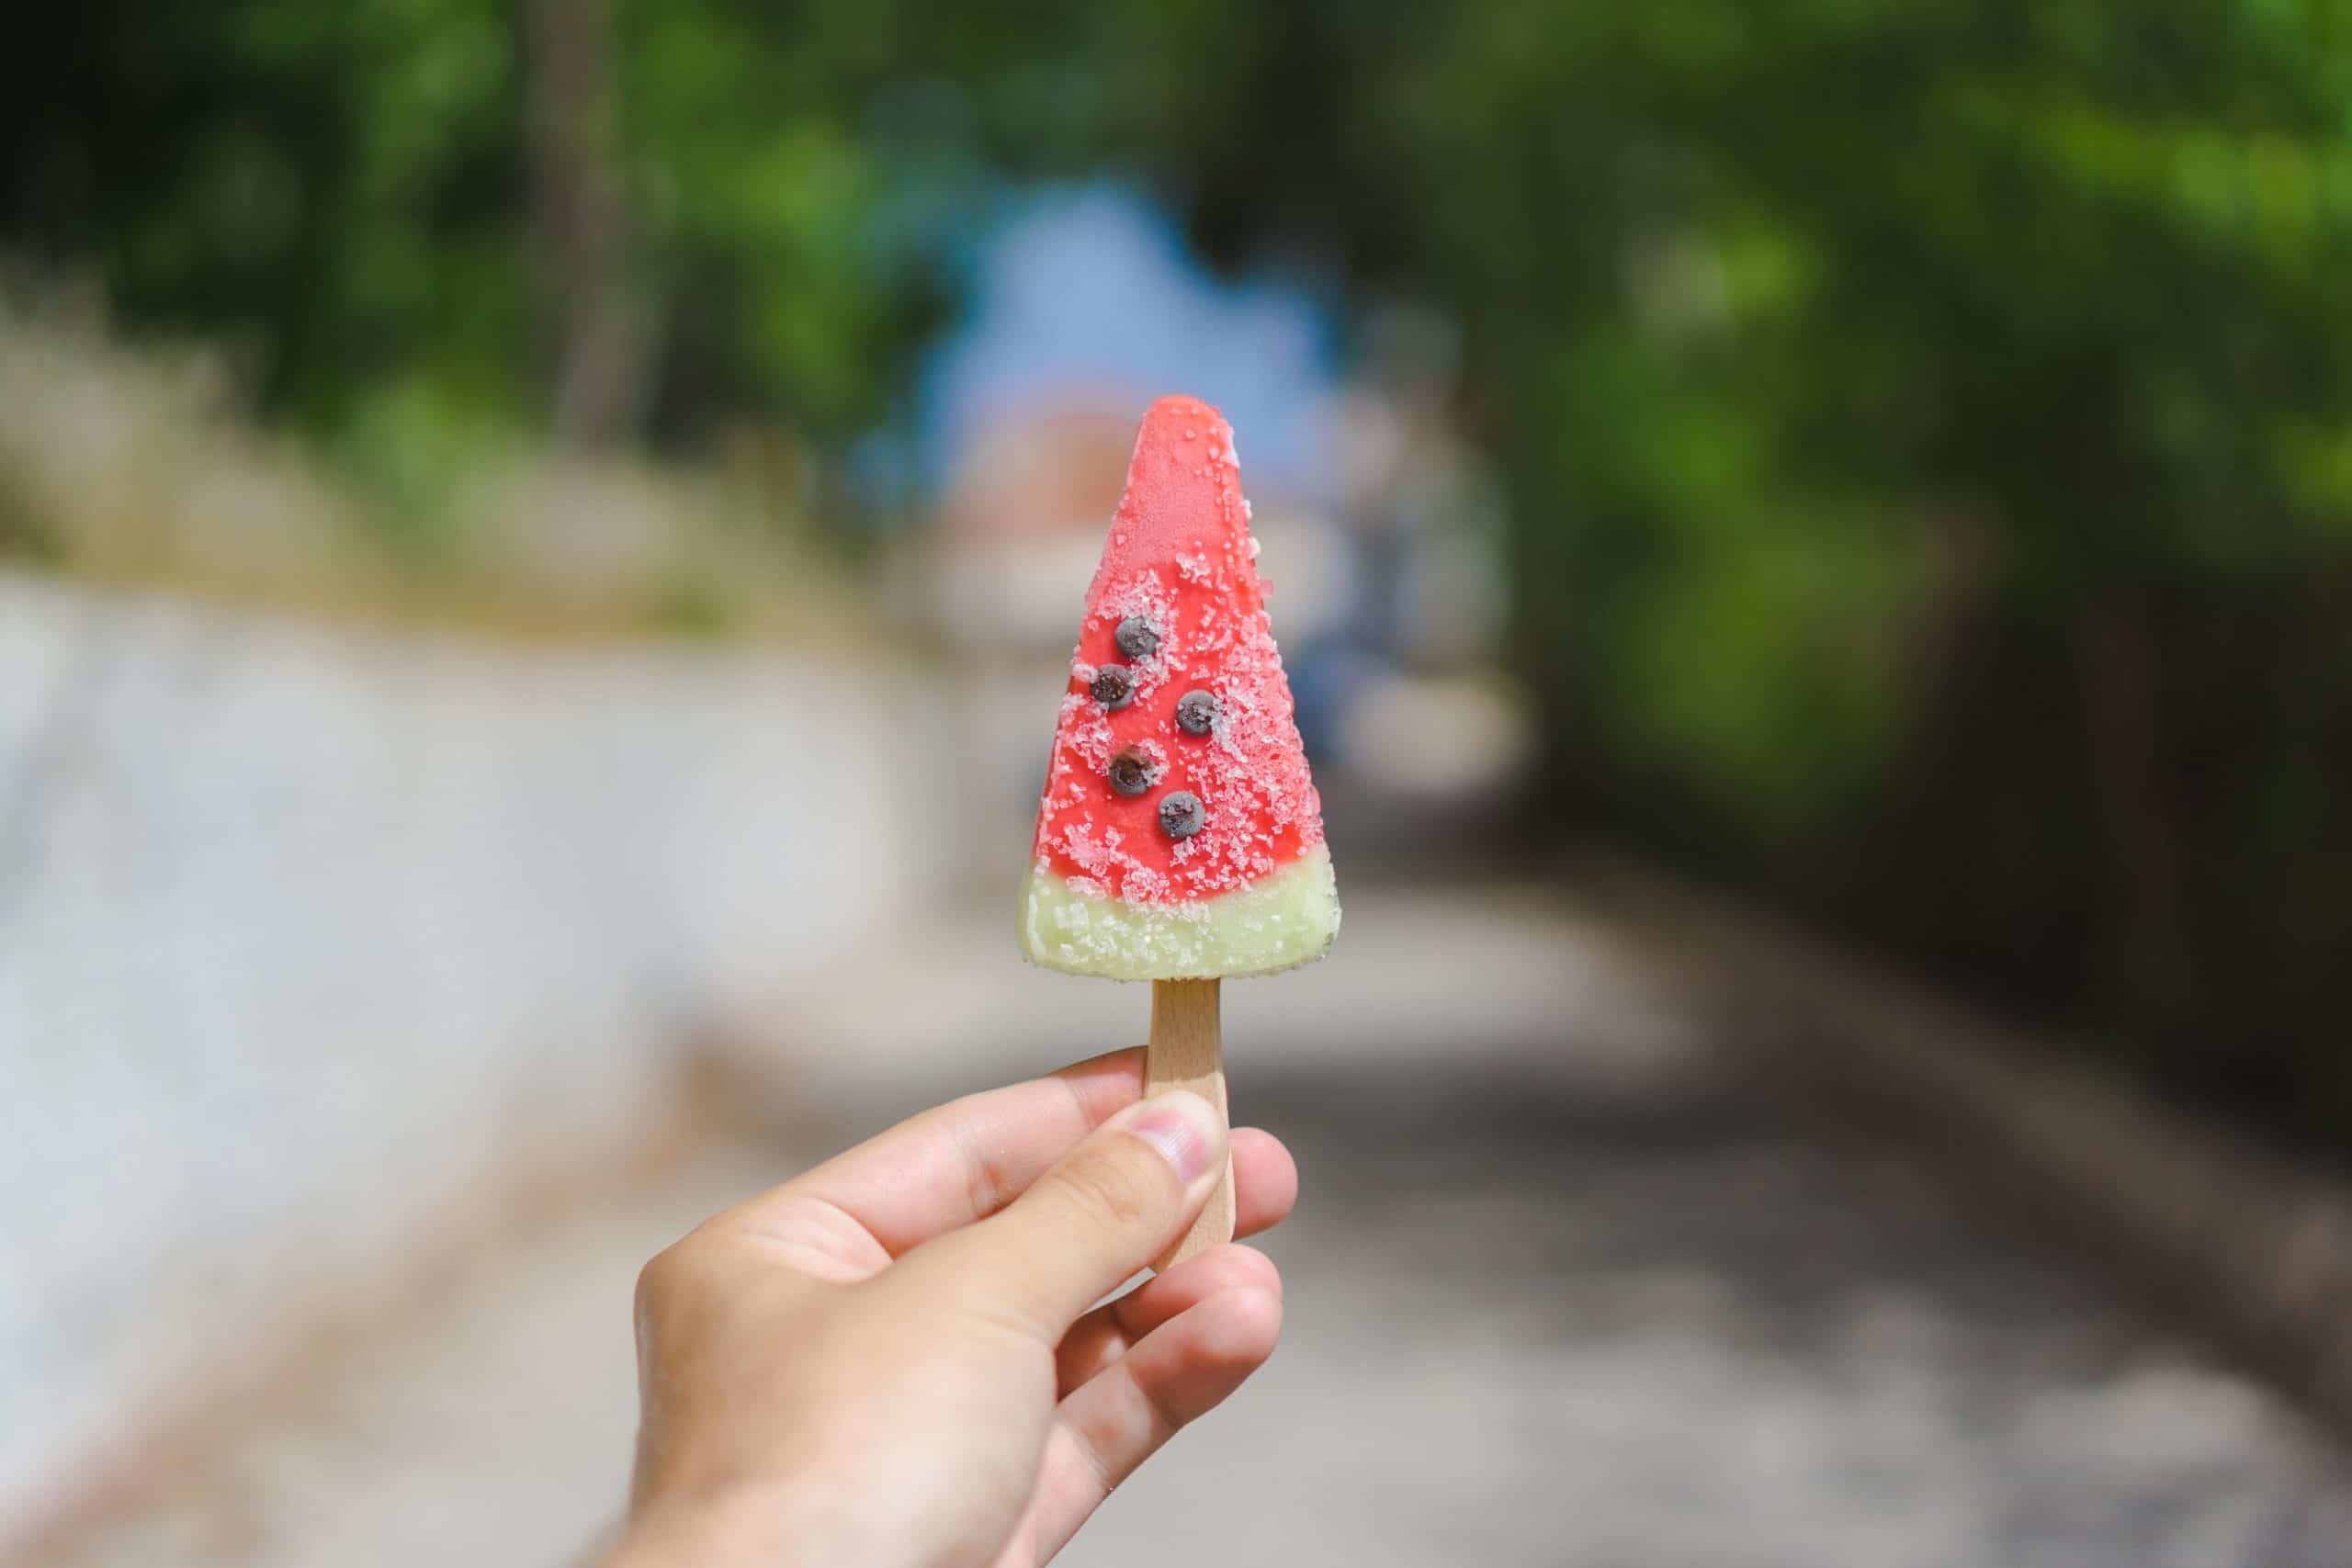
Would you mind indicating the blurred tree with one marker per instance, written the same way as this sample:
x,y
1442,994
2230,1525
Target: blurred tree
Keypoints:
x,y
1915,407
584,221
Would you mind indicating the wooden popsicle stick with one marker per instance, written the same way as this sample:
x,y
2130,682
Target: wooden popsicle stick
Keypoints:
x,y
1186,1053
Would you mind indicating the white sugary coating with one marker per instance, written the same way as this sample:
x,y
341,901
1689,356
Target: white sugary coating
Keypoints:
x,y
1277,922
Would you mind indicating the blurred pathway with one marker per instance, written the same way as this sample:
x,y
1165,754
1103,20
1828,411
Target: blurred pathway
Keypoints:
x,y
1565,1289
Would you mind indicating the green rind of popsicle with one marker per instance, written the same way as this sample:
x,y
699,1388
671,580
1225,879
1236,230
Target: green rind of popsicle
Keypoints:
x,y
1278,922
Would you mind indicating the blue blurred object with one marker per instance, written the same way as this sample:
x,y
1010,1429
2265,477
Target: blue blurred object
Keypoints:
x,y
1091,289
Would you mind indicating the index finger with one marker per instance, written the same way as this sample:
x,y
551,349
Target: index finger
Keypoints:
x,y
961,1162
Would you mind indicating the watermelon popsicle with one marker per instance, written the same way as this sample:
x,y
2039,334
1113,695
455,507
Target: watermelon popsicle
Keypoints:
x,y
1179,838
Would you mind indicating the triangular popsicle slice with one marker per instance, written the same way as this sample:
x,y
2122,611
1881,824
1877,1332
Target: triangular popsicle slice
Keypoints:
x,y
1179,836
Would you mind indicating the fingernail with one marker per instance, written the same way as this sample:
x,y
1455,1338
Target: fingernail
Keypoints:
x,y
1183,1126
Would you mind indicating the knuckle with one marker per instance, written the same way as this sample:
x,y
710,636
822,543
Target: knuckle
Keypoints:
x,y
667,1276
985,1192
1122,1192
654,1282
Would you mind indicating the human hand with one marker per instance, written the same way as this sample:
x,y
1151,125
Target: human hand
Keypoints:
x,y
890,1361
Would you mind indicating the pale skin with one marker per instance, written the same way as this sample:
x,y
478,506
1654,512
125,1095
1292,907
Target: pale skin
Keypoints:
x,y
895,1361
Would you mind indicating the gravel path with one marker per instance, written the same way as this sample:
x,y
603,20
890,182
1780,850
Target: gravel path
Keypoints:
x,y
1573,1293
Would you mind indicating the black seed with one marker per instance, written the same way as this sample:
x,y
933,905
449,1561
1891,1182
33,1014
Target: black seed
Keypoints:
x,y
1114,686
1137,638
1195,713
1131,771
1180,814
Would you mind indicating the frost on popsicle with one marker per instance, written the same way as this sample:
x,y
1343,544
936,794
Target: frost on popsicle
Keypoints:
x,y
1179,835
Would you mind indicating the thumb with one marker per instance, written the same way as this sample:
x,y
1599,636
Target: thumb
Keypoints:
x,y
1101,1212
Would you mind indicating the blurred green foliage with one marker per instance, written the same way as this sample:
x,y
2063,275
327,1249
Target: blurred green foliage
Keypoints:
x,y
1929,420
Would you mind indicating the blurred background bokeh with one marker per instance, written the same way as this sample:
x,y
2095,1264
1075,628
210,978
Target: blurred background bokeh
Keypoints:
x,y
537,540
